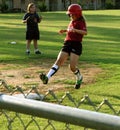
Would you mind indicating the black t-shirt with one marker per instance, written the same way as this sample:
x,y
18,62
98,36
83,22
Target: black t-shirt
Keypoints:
x,y
32,22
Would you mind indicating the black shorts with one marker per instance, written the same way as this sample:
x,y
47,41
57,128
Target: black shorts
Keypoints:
x,y
32,34
72,46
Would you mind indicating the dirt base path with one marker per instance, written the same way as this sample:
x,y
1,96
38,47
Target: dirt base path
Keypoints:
x,y
28,77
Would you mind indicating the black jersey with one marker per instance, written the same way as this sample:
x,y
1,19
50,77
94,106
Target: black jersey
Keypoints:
x,y
33,20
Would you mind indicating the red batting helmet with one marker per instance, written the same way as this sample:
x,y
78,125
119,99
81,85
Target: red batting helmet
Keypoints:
x,y
75,9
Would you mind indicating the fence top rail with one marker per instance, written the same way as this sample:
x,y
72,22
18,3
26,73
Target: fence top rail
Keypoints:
x,y
60,113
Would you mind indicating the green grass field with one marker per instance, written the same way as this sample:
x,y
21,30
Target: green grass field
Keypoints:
x,y
100,47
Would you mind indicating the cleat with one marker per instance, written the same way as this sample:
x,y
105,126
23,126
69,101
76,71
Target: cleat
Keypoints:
x,y
38,52
28,52
78,83
44,78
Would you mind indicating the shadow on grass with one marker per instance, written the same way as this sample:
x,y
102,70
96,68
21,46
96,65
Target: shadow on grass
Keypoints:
x,y
102,17
101,44
95,49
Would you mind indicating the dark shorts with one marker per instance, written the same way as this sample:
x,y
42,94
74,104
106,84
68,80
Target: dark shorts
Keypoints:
x,y
33,34
72,47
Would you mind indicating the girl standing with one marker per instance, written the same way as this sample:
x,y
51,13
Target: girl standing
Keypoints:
x,y
31,18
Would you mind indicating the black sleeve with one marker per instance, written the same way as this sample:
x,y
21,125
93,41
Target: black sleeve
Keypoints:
x,y
38,18
25,16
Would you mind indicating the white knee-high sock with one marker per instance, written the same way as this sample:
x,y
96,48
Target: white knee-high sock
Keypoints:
x,y
52,71
78,75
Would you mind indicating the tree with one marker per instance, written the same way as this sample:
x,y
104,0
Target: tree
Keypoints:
x,y
66,3
3,6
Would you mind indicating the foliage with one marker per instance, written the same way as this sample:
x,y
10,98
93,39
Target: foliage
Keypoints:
x,y
3,7
109,6
42,7
66,3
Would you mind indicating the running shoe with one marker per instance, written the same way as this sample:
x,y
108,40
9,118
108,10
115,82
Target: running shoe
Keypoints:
x,y
28,52
78,83
44,78
37,52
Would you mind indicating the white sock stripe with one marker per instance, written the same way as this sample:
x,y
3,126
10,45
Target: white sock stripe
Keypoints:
x,y
36,50
77,71
52,71
55,66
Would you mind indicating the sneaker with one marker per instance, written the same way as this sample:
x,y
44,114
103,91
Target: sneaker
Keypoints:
x,y
78,83
37,52
44,78
27,52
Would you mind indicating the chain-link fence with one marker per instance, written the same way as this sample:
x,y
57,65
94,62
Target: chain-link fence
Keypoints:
x,y
16,121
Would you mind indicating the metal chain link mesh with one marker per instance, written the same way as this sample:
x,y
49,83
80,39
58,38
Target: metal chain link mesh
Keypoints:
x,y
16,121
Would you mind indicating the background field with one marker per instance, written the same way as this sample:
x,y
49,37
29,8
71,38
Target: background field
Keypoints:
x,y
101,54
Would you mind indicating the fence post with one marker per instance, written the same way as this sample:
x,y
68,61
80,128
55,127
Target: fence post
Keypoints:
x,y
60,113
